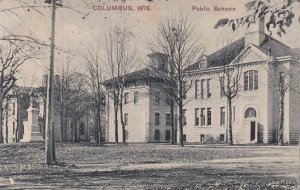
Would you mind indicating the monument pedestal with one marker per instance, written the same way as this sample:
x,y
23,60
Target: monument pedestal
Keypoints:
x,y
32,131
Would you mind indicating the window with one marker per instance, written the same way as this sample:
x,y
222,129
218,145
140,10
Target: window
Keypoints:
x,y
202,88
168,135
156,118
250,112
184,117
81,129
196,89
208,116
222,83
250,80
196,116
14,108
208,88
136,97
202,138
157,98
222,116
157,135
126,98
126,118
202,116
14,127
222,137
168,119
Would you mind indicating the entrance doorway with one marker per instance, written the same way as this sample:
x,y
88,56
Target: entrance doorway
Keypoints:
x,y
250,121
252,131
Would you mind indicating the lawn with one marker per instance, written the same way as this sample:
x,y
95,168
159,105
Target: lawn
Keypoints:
x,y
149,166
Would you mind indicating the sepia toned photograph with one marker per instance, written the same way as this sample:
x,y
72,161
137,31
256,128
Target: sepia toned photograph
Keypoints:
x,y
150,94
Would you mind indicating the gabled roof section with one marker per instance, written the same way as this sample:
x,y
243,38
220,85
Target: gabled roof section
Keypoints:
x,y
217,58
231,51
278,49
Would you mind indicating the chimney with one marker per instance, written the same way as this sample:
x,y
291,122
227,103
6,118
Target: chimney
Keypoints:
x,y
255,33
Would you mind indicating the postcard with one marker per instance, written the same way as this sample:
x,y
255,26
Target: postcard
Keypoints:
x,y
149,94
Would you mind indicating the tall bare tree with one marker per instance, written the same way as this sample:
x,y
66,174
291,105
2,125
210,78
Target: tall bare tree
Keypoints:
x,y
95,75
177,40
120,59
229,75
13,54
283,80
63,93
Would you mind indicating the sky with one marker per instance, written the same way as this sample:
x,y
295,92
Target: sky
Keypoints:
x,y
75,34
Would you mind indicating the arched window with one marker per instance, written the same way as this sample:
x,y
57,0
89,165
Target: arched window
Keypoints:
x,y
250,112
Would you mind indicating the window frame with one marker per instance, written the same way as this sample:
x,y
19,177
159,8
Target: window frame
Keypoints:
x,y
168,119
251,80
202,117
222,116
197,118
126,118
126,97
209,116
208,86
157,135
157,119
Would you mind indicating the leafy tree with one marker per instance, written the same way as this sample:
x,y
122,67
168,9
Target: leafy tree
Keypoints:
x,y
278,15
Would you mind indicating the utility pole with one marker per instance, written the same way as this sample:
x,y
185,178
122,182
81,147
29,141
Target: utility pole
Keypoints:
x,y
49,138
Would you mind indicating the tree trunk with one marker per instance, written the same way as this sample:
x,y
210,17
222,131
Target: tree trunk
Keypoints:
x,y
181,123
6,121
74,131
62,126
123,127
281,121
172,140
96,128
98,124
1,120
230,139
116,122
122,122
53,143
65,128
77,132
44,117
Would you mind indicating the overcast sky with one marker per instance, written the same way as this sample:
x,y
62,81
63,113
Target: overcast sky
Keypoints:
x,y
75,34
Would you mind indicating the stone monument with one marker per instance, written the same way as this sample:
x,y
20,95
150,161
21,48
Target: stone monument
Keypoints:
x,y
32,131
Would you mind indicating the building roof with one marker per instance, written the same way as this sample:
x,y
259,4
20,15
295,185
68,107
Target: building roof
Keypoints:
x,y
142,74
278,49
220,57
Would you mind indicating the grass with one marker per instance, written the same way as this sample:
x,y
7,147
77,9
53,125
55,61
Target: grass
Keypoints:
x,y
149,166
